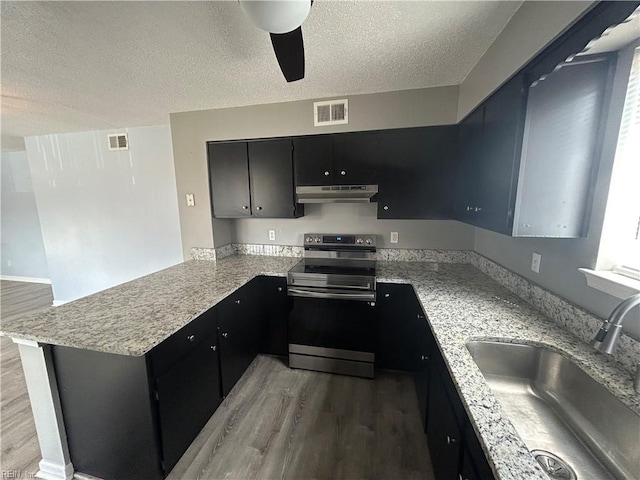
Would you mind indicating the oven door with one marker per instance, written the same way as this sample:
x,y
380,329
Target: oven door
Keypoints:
x,y
332,334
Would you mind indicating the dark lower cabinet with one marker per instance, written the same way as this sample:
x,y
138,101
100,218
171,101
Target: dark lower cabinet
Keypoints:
x,y
239,320
187,396
443,432
109,414
454,449
274,331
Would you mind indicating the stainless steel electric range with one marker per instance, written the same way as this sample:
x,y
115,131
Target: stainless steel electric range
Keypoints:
x,y
332,321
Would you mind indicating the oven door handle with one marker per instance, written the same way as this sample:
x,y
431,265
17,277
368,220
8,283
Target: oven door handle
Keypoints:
x,y
334,295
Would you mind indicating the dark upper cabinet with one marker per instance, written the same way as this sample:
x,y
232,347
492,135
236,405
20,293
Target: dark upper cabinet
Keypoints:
x,y
467,188
339,159
271,175
313,160
499,156
414,168
229,179
252,179
239,325
355,158
187,395
526,161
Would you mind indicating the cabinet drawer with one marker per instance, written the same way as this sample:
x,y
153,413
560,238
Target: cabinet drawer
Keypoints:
x,y
181,343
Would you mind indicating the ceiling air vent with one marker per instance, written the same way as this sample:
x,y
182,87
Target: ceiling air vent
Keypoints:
x,y
118,141
331,112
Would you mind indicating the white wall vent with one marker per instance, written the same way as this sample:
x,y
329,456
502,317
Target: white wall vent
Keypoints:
x,y
330,112
118,141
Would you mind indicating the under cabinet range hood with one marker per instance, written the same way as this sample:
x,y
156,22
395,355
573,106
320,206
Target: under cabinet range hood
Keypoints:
x,y
335,193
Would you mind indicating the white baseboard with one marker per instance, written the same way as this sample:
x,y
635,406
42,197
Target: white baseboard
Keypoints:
x,y
25,279
57,303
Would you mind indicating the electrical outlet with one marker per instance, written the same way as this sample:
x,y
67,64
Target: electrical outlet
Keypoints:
x,y
9,264
394,237
272,235
191,202
536,259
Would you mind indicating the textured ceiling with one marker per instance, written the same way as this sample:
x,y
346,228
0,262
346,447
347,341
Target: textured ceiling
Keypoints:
x,y
72,66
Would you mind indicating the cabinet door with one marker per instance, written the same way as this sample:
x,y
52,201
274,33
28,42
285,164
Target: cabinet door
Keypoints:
x,y
466,201
274,339
413,172
443,434
229,179
426,346
397,342
187,395
474,462
271,172
313,160
239,332
355,158
501,144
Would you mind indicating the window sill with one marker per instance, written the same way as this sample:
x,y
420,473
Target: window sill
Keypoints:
x,y
611,283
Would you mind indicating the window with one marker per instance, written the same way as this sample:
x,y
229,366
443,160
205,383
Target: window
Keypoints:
x,y
619,253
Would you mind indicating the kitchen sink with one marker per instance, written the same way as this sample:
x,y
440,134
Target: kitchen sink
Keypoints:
x,y
574,426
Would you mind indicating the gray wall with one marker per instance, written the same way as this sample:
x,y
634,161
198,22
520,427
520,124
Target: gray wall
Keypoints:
x,y
191,130
357,218
22,249
534,25
561,258
107,217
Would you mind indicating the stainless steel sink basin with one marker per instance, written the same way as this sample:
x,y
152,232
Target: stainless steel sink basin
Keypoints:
x,y
573,425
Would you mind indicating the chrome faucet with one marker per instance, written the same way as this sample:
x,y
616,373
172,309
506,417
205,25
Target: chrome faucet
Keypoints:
x,y
606,340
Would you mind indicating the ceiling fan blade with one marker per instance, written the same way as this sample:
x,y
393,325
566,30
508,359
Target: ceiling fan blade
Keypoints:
x,y
289,50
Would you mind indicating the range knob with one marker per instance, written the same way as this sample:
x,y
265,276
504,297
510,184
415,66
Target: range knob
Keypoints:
x,y
369,241
318,239
359,240
308,240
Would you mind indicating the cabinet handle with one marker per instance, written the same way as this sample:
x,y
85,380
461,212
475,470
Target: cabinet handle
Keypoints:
x,y
245,207
386,295
259,208
191,338
225,335
343,173
386,207
279,289
238,302
326,173
468,208
450,440
372,304
424,357
420,316
214,347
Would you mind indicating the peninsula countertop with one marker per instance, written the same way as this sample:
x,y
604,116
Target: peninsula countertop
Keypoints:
x,y
461,304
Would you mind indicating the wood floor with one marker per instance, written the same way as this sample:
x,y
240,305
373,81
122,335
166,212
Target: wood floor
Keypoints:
x,y
295,424
276,423
19,450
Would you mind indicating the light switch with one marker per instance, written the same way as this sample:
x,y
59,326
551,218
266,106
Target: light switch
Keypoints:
x,y
272,235
536,259
191,202
394,237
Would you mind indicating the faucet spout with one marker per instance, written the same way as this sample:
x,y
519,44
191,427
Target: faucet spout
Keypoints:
x,y
606,340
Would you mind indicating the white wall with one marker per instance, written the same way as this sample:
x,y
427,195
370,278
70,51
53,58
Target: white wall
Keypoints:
x,y
356,218
107,217
22,249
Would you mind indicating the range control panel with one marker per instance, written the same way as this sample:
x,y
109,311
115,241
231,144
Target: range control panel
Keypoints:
x,y
323,239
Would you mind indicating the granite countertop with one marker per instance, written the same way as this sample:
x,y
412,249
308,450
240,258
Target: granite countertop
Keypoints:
x,y
461,304
134,317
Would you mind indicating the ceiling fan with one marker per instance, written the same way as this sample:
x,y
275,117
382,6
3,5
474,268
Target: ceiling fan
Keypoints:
x,y
283,20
